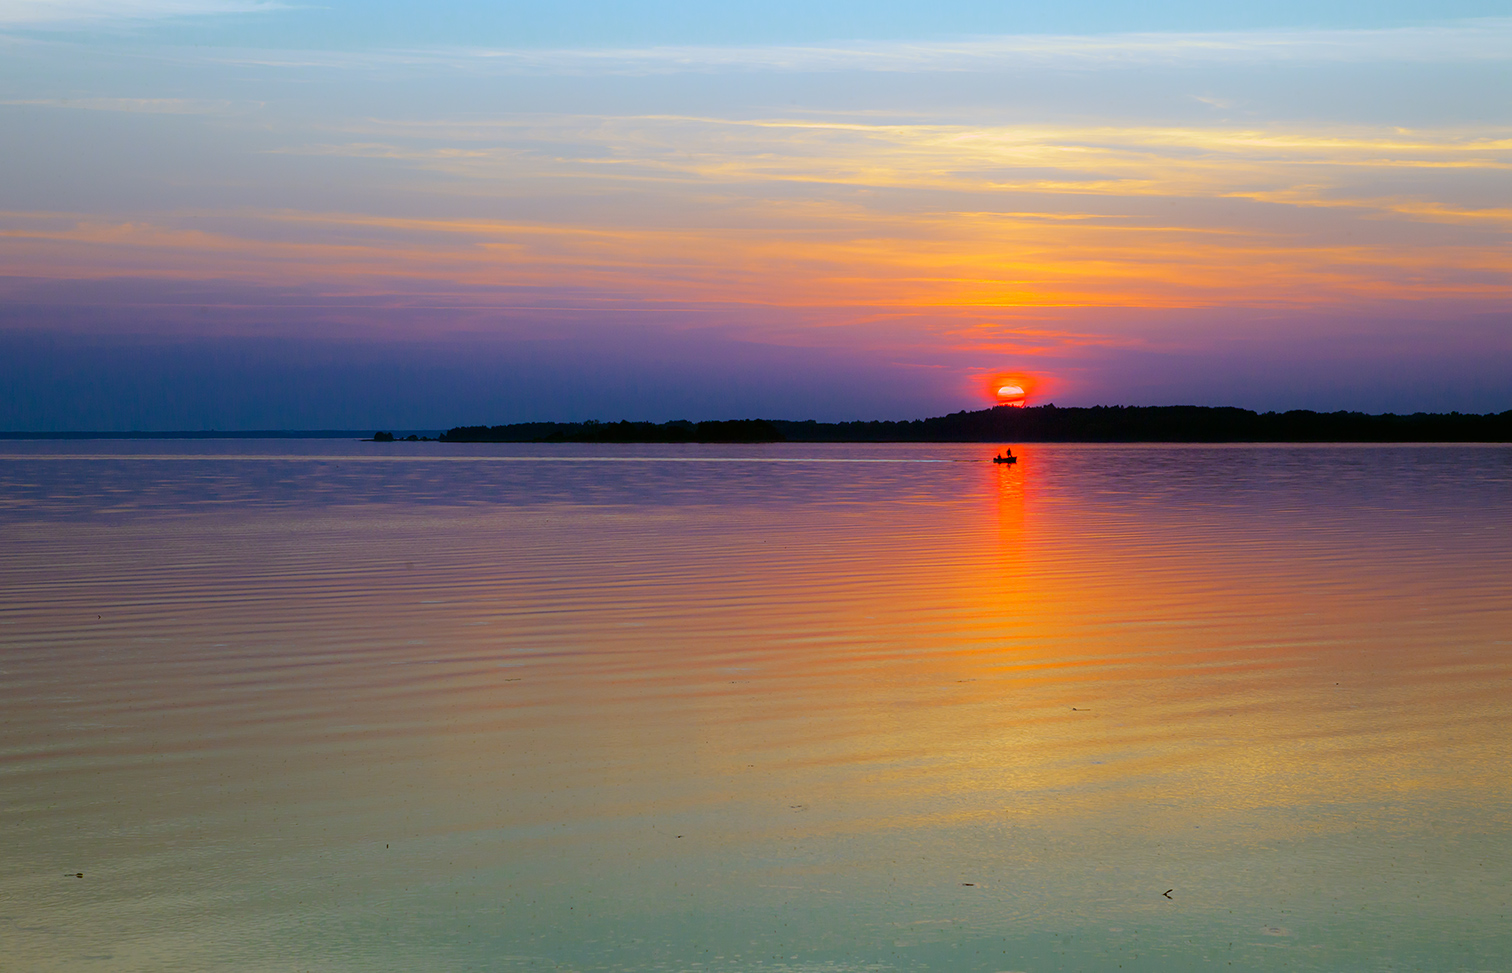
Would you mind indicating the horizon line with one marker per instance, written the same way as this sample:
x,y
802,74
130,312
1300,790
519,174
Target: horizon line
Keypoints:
x,y
333,433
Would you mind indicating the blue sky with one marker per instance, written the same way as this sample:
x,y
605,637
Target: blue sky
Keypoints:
x,y
347,24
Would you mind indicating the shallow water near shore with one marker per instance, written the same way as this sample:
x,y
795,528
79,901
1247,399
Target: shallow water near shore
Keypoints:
x,y
336,706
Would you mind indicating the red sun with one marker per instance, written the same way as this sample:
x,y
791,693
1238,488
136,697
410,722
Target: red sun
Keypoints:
x,y
1010,389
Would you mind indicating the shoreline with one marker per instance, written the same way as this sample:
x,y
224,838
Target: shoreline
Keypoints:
x,y
1047,423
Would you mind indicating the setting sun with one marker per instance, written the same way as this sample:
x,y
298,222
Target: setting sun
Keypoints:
x,y
1009,389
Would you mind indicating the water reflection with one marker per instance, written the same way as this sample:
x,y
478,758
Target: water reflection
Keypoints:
x,y
317,712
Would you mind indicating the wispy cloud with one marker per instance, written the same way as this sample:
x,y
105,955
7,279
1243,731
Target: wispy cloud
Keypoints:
x,y
1307,165
141,106
1487,39
15,13
794,253
1476,40
805,212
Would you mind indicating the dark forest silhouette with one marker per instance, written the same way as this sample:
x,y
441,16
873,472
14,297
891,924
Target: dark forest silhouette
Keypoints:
x,y
1047,423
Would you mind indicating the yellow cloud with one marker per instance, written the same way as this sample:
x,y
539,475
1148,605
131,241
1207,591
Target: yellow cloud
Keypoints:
x,y
846,213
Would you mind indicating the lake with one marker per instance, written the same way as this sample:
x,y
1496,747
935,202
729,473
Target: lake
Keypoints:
x,y
314,705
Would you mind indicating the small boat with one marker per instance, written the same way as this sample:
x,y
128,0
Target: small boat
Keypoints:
x,y
1007,457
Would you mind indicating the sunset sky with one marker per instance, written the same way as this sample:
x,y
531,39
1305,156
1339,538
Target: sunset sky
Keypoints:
x,y
246,215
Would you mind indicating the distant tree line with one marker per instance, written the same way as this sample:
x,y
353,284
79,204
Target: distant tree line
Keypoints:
x,y
388,437
1045,424
592,431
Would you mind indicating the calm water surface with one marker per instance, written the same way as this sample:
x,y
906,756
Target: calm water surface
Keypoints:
x,y
337,706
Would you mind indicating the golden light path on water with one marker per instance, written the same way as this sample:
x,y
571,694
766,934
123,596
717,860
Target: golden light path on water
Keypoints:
x,y
285,710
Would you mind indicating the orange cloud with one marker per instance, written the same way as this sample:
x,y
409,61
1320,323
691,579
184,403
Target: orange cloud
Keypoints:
x,y
976,240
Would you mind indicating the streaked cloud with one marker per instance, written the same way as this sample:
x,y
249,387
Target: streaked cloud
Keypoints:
x,y
143,106
826,212
1077,159
78,12
1485,40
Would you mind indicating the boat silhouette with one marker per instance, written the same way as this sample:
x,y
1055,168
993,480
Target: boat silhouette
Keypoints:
x,y
1007,457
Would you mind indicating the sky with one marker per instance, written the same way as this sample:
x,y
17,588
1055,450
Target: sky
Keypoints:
x,y
233,214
